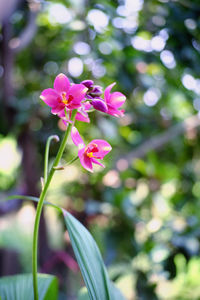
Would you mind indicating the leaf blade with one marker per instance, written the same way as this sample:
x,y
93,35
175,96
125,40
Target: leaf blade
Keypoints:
x,y
20,287
89,259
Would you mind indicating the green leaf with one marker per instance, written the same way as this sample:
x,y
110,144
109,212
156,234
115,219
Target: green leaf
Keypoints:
x,y
23,197
20,287
89,259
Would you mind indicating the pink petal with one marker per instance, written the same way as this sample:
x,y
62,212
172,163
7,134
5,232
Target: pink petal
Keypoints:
x,y
115,112
85,160
58,109
87,105
95,161
121,112
74,105
65,122
76,138
107,91
61,113
50,97
78,92
61,83
80,117
103,148
117,99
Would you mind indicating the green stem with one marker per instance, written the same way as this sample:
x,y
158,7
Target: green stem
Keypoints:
x,y
46,158
40,204
71,161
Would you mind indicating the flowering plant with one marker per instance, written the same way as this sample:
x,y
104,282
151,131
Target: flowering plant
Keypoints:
x,y
71,102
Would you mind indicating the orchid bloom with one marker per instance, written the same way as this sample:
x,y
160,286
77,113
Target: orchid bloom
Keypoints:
x,y
64,95
81,115
114,101
89,154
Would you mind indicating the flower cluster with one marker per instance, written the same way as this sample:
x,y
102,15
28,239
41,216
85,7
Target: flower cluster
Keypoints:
x,y
83,97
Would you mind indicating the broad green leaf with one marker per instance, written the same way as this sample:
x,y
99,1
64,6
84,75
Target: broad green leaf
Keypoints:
x,y
89,259
20,287
90,262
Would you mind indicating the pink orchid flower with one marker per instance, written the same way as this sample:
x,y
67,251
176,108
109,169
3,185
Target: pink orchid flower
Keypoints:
x,y
81,115
89,154
64,95
114,101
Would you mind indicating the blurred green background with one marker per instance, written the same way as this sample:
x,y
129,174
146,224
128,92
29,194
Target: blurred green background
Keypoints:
x,y
143,208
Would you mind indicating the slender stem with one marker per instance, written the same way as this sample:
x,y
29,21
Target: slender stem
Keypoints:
x,y
40,204
46,157
66,114
71,161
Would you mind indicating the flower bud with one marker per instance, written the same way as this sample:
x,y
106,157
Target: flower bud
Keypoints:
x,y
99,104
96,91
93,90
88,83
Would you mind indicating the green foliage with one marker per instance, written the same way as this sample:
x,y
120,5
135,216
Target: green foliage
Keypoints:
x,y
90,261
20,287
88,257
146,211
186,284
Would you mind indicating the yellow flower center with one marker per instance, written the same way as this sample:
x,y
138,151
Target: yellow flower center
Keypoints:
x,y
90,154
64,99
91,149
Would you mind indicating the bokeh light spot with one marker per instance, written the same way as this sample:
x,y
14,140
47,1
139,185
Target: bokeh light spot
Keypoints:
x,y
75,67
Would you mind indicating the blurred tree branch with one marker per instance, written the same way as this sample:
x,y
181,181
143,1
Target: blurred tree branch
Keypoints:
x,y
7,10
19,43
157,142
10,47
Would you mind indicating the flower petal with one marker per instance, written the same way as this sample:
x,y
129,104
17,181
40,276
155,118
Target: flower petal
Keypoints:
x,y
115,112
76,138
95,161
61,83
107,91
80,117
61,113
50,97
78,92
58,109
117,99
85,160
66,122
103,148
85,106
